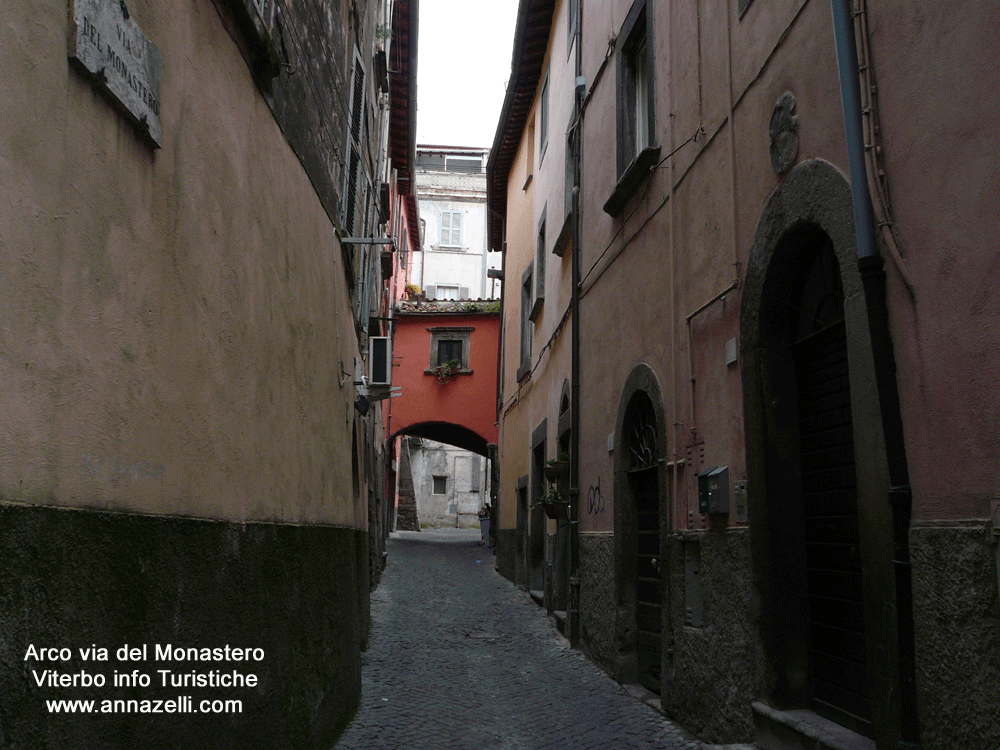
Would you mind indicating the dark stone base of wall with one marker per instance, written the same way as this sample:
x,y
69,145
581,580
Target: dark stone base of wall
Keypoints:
x,y
507,553
598,595
406,518
957,619
710,682
77,578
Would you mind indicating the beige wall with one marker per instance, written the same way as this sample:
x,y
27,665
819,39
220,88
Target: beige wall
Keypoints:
x,y
537,398
174,322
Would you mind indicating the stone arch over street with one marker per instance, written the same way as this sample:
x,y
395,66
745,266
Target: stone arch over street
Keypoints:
x,y
804,255
446,432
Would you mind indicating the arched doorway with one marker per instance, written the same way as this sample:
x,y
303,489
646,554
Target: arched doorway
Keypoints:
x,y
821,537
641,523
837,651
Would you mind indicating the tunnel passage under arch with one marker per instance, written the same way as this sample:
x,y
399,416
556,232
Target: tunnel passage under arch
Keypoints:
x,y
443,476
446,432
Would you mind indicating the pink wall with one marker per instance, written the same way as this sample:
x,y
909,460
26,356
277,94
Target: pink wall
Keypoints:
x,y
466,400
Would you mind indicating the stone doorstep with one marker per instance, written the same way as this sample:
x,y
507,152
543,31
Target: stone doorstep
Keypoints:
x,y
644,695
560,618
801,729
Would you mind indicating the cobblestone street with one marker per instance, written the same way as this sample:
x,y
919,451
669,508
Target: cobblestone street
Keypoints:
x,y
460,658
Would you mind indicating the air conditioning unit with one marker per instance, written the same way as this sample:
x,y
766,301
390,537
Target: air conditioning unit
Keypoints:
x,y
380,360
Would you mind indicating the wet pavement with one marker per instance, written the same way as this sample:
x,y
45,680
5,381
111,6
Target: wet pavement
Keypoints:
x,y
460,658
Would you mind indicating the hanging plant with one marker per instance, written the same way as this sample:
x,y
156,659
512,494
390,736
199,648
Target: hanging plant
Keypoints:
x,y
553,502
447,370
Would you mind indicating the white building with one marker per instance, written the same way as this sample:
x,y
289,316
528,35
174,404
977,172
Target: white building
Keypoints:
x,y
451,192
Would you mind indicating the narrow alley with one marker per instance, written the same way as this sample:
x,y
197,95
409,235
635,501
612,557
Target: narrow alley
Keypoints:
x,y
460,658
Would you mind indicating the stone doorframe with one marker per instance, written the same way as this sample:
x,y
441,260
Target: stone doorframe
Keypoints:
x,y
643,380
815,195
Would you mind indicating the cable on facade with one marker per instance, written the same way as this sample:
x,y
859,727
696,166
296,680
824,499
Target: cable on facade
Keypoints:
x,y
694,138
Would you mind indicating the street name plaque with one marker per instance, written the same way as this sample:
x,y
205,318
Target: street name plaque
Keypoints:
x,y
106,43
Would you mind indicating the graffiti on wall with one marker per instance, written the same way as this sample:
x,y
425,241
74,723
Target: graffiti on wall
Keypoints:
x,y
595,499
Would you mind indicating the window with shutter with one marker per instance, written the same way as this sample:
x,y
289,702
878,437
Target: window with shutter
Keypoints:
x,y
353,178
543,119
540,264
451,228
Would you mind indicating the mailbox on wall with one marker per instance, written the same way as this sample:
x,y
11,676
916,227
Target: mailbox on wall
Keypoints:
x,y
713,491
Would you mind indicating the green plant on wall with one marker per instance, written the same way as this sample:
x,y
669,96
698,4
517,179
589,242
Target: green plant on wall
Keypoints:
x,y
446,371
486,306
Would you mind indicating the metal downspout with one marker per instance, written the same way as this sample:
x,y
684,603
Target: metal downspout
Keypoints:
x,y
574,481
871,267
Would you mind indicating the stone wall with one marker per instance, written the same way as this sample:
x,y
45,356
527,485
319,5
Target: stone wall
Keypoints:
x,y
957,618
507,554
598,594
77,578
714,675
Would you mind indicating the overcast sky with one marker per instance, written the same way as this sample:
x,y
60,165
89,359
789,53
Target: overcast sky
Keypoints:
x,y
463,63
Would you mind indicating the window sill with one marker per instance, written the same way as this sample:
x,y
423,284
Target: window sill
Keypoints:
x,y
536,309
565,237
523,372
527,182
265,57
632,178
460,372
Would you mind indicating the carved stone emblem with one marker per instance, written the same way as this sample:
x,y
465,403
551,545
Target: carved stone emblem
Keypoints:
x,y
784,133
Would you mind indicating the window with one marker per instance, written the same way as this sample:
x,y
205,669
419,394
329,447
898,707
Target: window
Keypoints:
x,y
539,268
529,159
472,164
449,350
445,291
451,228
635,89
440,485
573,24
353,178
450,343
526,299
543,120
637,152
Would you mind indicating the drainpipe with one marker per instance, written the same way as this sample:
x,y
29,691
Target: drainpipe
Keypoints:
x,y
574,477
872,271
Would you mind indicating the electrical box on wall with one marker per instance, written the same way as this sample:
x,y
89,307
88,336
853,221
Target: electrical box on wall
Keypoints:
x,y
713,491
740,501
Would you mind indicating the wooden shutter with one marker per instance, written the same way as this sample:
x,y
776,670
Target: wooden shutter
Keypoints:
x,y
446,227
352,186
